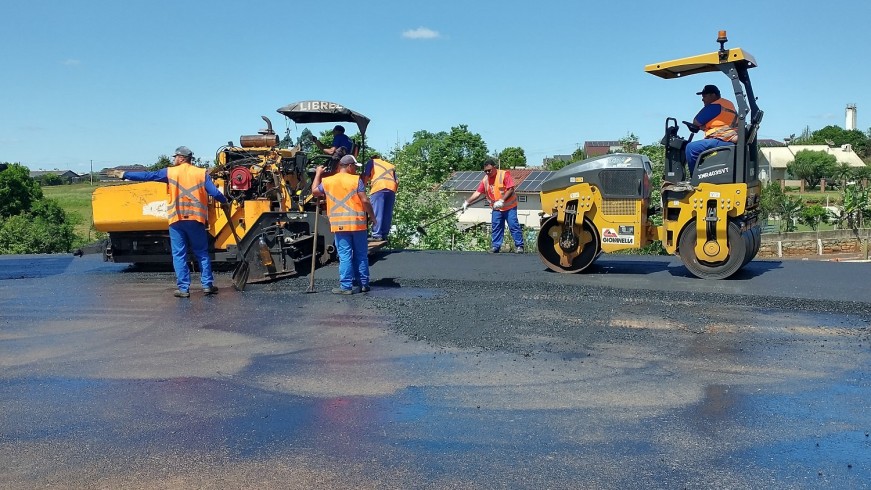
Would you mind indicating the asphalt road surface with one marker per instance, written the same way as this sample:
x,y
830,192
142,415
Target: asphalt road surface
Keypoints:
x,y
458,370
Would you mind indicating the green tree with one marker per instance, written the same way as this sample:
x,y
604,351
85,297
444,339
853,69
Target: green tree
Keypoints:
x,y
50,179
629,143
771,201
857,206
163,161
813,215
512,157
440,154
789,211
837,136
422,165
812,166
842,173
18,191
579,154
42,229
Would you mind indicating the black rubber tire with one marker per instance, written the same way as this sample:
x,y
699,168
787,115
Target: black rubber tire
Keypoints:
x,y
552,259
738,251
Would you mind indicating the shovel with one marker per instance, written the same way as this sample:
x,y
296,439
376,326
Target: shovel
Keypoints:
x,y
311,282
240,273
421,228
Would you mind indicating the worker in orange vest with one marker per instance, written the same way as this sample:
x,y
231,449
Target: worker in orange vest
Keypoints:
x,y
498,186
347,208
189,188
718,119
380,175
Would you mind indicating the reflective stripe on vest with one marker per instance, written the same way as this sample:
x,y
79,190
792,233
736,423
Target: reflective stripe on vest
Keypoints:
x,y
385,176
496,192
344,207
725,125
188,199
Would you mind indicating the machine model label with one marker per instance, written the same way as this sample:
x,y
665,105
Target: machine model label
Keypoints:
x,y
715,195
577,180
609,235
574,195
318,105
719,171
155,208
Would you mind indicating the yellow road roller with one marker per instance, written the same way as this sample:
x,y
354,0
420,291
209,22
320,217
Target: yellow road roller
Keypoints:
x,y
709,217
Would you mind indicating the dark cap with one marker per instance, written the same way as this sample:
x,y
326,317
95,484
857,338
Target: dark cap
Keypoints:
x,y
709,89
489,162
183,151
339,128
349,160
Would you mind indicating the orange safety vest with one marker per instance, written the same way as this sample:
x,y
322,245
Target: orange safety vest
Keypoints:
x,y
382,176
344,207
494,193
725,125
188,199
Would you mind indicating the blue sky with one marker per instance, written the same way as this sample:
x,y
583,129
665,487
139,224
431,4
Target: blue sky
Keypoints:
x,y
125,82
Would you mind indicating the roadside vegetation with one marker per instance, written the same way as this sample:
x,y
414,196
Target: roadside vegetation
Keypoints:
x,y
29,221
49,216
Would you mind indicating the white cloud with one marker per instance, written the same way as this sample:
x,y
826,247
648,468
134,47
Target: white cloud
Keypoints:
x,y
421,33
71,62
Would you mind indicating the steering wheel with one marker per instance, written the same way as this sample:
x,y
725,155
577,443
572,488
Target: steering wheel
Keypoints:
x,y
692,128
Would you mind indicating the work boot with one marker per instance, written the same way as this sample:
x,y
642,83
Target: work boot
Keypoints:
x,y
209,290
342,291
182,294
495,250
365,289
356,289
518,250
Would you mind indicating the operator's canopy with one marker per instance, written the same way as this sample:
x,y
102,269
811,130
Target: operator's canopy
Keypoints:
x,y
322,111
703,63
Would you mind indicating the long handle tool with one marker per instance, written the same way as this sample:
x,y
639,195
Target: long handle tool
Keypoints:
x,y
421,228
311,281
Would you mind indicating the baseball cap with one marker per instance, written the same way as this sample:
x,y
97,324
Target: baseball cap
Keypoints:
x,y
709,89
349,160
183,151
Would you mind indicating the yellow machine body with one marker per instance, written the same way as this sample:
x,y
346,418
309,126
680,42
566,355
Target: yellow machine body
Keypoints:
x,y
709,217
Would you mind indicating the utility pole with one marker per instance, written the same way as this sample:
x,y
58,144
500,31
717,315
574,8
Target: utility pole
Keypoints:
x,y
92,172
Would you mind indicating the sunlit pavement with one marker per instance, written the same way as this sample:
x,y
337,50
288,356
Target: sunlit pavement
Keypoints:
x,y
445,376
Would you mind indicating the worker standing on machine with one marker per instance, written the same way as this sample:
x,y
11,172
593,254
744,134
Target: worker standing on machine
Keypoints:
x,y
189,188
381,176
498,186
347,208
341,145
719,119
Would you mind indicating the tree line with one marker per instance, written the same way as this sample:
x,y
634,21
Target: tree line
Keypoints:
x,y
30,222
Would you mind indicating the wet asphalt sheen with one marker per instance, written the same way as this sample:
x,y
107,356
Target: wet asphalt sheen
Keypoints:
x,y
458,370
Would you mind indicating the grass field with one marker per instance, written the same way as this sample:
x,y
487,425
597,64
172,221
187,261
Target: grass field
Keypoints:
x,y
75,199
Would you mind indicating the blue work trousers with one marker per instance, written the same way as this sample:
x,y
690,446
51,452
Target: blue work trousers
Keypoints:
x,y
382,204
184,234
498,219
353,250
696,148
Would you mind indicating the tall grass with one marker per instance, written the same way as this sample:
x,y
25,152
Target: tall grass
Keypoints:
x,y
75,199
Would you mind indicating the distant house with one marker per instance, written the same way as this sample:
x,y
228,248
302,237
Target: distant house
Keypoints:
x,y
556,158
777,157
67,176
598,148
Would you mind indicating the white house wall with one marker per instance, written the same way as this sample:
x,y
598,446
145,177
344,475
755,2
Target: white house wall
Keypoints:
x,y
527,212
